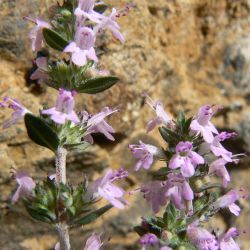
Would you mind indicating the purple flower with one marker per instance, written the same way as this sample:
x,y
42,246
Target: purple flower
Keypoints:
x,y
216,147
18,114
201,238
36,34
161,115
83,46
85,7
185,158
154,193
201,124
227,242
85,10
97,124
57,246
228,200
145,153
93,242
64,109
218,167
149,239
109,22
40,73
105,188
179,191
26,185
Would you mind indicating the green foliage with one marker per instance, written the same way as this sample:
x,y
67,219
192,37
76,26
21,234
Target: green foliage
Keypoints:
x,y
45,133
40,132
52,203
170,216
63,19
92,216
100,7
54,40
71,77
97,84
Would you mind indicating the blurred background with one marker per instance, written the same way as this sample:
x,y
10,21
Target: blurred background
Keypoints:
x,y
186,53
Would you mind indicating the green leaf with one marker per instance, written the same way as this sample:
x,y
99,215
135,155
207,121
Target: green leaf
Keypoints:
x,y
187,125
101,7
97,85
92,216
181,118
39,213
156,224
168,135
77,146
140,230
161,174
54,40
170,216
39,132
186,246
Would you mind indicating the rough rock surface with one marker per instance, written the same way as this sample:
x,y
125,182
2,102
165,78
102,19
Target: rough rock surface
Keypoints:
x,y
186,53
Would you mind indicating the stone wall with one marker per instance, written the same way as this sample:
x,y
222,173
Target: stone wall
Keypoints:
x,y
184,52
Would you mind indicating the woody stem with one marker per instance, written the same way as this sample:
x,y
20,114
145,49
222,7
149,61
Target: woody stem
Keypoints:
x,y
62,227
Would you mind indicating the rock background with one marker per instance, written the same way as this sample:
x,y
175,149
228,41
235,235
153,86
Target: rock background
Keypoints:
x,y
185,53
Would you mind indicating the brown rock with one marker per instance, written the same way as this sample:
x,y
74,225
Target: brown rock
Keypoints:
x,y
185,53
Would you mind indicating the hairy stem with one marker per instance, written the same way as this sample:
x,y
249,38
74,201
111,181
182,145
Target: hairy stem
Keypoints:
x,y
62,227
63,234
61,165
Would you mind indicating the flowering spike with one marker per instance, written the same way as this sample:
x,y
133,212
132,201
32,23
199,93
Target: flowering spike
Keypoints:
x,y
218,167
25,185
105,188
40,73
201,238
179,191
145,153
64,109
228,200
149,239
161,115
93,242
186,159
36,34
18,114
227,242
201,124
109,22
154,193
82,48
97,124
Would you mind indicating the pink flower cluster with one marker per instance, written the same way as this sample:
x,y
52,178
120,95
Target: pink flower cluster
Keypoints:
x,y
63,112
82,48
185,158
203,239
104,187
185,161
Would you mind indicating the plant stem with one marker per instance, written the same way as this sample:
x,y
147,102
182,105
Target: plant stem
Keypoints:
x,y
61,165
62,227
63,234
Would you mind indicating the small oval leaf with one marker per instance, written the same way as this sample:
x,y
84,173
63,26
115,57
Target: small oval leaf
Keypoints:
x,y
54,40
100,7
92,216
39,132
97,85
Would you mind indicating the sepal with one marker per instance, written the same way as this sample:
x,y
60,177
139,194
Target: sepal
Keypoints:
x,y
52,203
71,77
